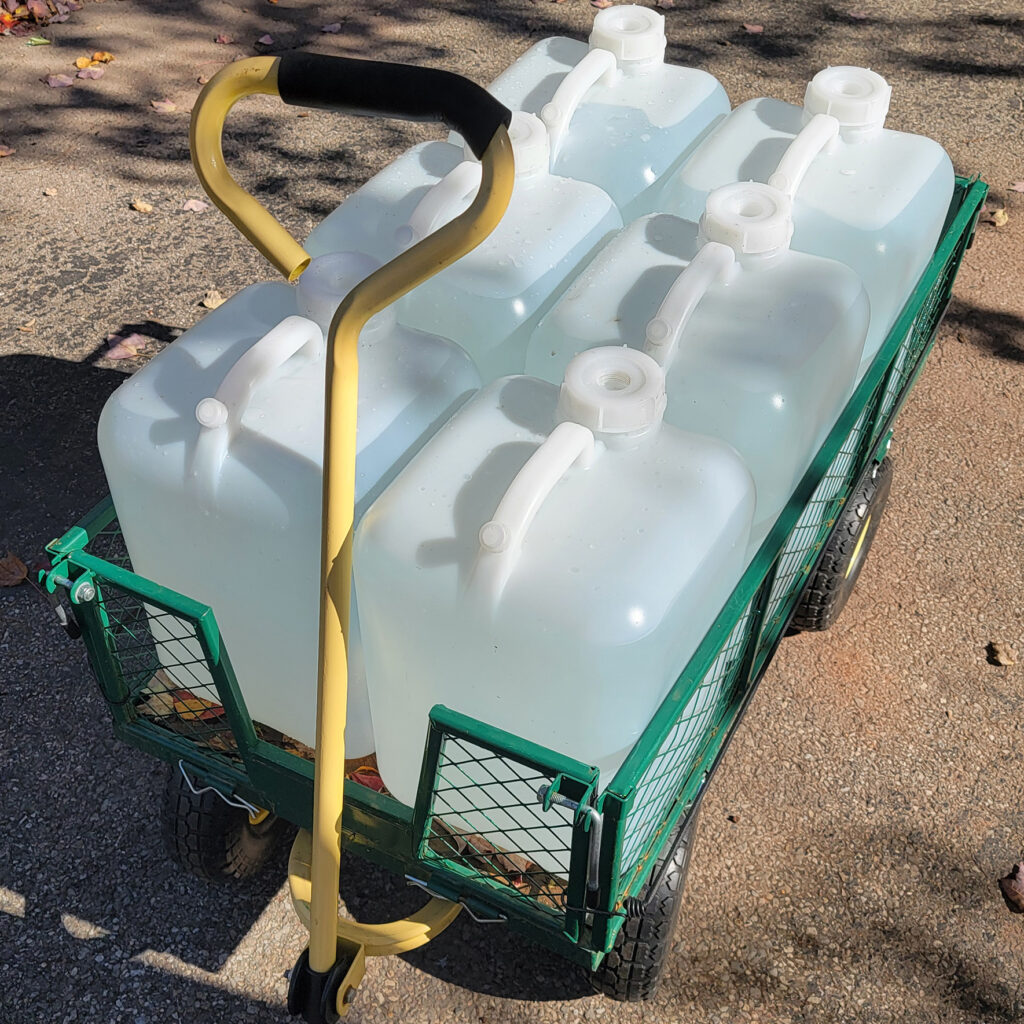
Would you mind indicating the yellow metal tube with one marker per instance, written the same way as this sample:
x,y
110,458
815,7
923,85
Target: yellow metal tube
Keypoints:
x,y
242,78
380,289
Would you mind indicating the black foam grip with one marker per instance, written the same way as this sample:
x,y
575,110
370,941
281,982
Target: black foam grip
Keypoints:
x,y
381,89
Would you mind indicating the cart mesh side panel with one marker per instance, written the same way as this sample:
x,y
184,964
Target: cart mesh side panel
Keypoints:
x,y
488,825
164,674
662,783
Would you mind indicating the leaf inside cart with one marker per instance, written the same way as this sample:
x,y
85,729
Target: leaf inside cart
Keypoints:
x,y
12,570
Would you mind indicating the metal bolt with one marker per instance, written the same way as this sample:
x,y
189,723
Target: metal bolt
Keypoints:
x,y
86,592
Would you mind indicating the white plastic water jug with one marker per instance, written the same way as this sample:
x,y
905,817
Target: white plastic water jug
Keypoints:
x,y
760,343
491,299
213,453
547,564
370,219
873,198
618,114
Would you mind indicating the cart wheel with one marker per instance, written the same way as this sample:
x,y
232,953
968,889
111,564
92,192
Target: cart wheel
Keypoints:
x,y
213,840
631,972
832,582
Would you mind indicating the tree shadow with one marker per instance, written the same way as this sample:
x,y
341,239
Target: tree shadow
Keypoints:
x,y
997,333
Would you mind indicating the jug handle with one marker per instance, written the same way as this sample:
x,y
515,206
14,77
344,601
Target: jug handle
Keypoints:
x,y
458,184
220,416
558,112
817,136
502,536
712,263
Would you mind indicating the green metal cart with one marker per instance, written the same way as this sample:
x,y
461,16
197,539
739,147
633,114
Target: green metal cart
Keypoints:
x,y
624,843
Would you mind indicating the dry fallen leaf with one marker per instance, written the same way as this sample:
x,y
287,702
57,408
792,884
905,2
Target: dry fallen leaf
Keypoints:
x,y
224,39
754,30
1000,653
1000,218
102,57
195,206
85,62
164,106
93,72
7,151
266,40
858,15
39,41
12,570
125,346
665,4
212,299
334,27
1012,888
58,81
142,206
29,327
203,79
600,4
49,191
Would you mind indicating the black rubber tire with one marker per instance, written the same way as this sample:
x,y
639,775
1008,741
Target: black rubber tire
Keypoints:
x,y
213,840
631,972
829,588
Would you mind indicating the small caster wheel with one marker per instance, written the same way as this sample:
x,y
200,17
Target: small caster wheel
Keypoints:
x,y
632,971
212,839
831,583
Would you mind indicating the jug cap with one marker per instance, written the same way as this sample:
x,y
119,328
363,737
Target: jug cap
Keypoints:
x,y
531,147
327,280
748,216
630,32
856,97
613,390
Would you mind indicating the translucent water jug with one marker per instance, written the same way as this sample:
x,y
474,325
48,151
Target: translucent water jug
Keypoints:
x,y
618,114
370,219
760,343
491,299
213,453
547,564
873,198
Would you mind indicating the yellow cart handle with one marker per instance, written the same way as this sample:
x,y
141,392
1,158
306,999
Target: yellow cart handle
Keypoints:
x,y
321,984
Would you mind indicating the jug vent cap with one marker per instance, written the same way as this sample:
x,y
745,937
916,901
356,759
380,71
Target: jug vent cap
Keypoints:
x,y
327,280
856,97
630,32
531,147
748,216
613,390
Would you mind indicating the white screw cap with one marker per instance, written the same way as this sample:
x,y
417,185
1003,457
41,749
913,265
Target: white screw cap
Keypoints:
x,y
327,280
630,32
749,217
613,390
856,97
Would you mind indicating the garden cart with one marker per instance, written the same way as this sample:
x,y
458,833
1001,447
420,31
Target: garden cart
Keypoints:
x,y
623,843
